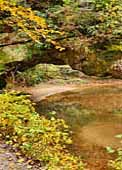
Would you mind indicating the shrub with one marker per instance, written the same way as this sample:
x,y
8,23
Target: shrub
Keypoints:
x,y
116,164
36,136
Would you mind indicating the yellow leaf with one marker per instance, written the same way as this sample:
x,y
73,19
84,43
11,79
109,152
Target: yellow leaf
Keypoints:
x,y
20,160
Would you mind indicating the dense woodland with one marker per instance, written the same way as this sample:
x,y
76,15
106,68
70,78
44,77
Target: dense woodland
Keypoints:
x,y
83,34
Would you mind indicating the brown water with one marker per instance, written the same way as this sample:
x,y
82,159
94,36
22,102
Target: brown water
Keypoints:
x,y
95,117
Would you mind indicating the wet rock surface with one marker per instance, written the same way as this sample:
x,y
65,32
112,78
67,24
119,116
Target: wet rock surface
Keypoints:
x,y
10,160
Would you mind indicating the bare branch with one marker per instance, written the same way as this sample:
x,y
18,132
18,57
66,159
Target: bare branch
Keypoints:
x,y
15,43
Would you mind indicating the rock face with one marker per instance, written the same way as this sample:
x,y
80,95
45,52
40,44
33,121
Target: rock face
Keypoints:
x,y
21,57
92,64
98,65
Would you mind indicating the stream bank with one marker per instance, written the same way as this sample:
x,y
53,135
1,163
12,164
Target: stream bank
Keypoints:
x,y
93,111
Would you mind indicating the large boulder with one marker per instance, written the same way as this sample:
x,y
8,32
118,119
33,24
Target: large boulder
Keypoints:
x,y
116,69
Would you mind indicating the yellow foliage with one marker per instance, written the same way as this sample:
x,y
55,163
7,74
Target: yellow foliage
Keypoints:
x,y
42,139
27,21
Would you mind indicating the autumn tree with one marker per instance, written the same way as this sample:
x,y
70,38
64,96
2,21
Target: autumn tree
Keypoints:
x,y
66,32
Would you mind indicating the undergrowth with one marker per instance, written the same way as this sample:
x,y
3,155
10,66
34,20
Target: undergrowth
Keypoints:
x,y
40,138
116,164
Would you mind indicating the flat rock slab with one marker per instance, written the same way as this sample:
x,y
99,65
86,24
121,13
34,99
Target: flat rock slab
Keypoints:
x,y
40,92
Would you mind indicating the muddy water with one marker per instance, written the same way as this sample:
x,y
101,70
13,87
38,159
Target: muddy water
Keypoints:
x,y
95,117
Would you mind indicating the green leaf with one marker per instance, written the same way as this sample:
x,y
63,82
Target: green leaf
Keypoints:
x,y
109,149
